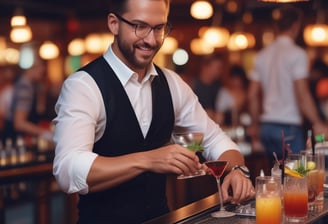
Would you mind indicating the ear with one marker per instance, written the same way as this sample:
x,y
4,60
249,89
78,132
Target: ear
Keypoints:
x,y
112,23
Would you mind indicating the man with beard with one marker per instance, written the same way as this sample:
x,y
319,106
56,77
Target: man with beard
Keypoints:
x,y
115,118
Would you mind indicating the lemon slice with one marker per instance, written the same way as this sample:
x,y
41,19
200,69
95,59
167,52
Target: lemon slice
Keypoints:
x,y
292,173
310,165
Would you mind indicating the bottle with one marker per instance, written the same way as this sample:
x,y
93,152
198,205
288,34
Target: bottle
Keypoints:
x,y
3,156
22,152
11,152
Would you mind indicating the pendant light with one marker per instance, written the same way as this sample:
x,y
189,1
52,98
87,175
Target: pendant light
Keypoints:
x,y
316,35
20,31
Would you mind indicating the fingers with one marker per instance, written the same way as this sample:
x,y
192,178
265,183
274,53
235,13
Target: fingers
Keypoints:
x,y
185,161
242,188
224,190
243,192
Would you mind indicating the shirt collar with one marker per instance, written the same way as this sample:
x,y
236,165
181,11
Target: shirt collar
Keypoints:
x,y
284,38
123,72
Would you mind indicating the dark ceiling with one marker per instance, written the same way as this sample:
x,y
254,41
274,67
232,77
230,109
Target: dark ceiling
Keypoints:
x,y
86,12
86,9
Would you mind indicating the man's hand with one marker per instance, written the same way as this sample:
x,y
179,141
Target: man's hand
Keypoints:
x,y
242,187
173,159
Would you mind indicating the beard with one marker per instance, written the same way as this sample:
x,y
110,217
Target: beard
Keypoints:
x,y
134,59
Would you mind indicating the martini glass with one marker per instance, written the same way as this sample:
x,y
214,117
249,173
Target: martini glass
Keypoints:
x,y
192,141
217,168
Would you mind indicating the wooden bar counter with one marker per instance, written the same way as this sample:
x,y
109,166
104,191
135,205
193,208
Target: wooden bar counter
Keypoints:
x,y
38,173
199,212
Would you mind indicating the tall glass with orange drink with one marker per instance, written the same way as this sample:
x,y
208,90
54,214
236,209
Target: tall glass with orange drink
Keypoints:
x,y
295,198
268,200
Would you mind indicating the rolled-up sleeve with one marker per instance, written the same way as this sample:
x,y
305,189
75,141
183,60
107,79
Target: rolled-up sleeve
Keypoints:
x,y
79,113
190,115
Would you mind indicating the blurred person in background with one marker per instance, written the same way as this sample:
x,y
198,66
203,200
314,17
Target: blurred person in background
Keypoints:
x,y
8,75
208,83
231,101
28,104
279,94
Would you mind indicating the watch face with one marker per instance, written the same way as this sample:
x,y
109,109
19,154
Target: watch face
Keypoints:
x,y
244,170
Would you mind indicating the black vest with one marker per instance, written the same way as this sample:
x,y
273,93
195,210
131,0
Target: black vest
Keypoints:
x,y
143,197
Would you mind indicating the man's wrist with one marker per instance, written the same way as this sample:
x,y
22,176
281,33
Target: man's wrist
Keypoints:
x,y
243,170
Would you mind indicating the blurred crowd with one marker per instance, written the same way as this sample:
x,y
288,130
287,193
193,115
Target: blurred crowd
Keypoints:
x,y
222,89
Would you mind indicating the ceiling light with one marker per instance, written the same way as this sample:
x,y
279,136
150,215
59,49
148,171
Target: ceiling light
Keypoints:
x,y
76,47
48,50
216,36
11,55
316,35
241,41
169,46
201,10
200,47
180,57
93,43
21,34
18,18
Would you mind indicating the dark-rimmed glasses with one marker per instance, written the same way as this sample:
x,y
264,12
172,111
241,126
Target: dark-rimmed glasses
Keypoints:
x,y
142,30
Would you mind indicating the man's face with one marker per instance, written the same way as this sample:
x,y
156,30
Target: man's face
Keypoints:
x,y
138,52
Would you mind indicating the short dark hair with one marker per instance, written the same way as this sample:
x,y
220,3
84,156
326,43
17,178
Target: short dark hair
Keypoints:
x,y
120,6
288,16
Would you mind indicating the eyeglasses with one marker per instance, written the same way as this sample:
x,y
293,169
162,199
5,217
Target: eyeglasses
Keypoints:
x,y
142,30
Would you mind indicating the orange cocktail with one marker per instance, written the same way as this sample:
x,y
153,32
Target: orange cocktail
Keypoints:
x,y
315,165
268,200
295,198
295,204
268,210
316,179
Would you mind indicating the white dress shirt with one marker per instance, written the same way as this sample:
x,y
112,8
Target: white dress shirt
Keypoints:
x,y
276,68
81,119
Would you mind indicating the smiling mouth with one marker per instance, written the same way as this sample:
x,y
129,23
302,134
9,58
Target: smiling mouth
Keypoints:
x,y
146,51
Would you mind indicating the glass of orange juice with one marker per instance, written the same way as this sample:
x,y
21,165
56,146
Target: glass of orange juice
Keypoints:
x,y
268,203
295,198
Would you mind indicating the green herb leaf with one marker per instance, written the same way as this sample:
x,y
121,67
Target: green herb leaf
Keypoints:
x,y
301,170
195,147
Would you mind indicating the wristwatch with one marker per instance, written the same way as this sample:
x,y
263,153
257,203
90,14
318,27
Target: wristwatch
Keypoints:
x,y
244,170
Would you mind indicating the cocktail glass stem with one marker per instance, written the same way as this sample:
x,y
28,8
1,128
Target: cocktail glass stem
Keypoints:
x,y
218,181
222,212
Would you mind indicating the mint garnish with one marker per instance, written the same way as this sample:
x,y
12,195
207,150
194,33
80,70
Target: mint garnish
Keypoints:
x,y
195,147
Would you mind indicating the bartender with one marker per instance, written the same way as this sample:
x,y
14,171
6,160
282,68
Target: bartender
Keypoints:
x,y
115,117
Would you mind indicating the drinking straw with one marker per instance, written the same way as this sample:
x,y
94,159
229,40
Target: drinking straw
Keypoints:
x,y
312,142
283,157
